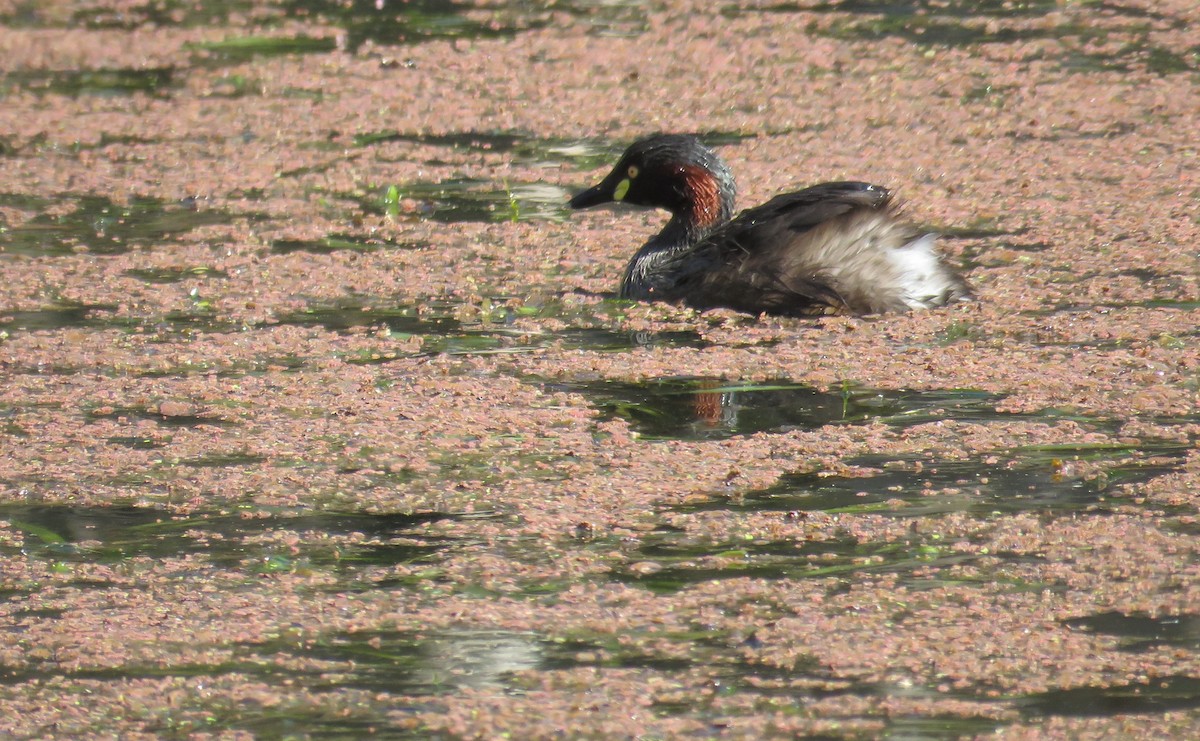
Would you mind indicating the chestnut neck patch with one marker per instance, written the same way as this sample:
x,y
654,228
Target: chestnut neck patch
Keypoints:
x,y
704,195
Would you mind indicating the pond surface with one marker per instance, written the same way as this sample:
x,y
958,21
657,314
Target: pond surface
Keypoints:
x,y
321,418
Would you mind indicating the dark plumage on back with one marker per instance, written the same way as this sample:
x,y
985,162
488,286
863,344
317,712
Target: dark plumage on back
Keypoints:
x,y
832,247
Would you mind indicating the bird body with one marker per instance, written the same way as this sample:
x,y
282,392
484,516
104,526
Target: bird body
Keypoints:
x,y
833,247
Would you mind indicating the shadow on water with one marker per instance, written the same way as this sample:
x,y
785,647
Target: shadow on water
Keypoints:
x,y
393,666
676,563
338,243
396,666
162,276
952,8
441,326
384,23
466,200
1140,632
729,662
411,21
71,315
162,14
1051,479
500,142
451,328
593,339
937,727
407,320
72,223
58,316
524,148
410,663
1154,696
186,418
954,23
103,82
117,534
670,559
357,21
698,408
976,22
459,200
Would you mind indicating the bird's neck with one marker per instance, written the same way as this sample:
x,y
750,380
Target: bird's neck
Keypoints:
x,y
645,275
705,202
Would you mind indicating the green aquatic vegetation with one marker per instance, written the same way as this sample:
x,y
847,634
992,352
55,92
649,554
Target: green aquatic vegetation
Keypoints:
x,y
241,48
957,331
200,305
235,86
391,203
13,429
514,205
45,535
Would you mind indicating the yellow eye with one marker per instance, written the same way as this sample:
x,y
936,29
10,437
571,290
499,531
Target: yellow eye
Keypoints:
x,y
633,171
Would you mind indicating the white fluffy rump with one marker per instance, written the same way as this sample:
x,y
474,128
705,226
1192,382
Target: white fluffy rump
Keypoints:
x,y
876,261
925,281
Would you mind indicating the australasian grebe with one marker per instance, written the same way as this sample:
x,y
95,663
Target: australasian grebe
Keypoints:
x,y
834,247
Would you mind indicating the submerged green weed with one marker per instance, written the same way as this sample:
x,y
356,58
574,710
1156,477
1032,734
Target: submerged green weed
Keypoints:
x,y
391,203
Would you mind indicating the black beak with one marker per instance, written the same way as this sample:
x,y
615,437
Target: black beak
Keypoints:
x,y
593,196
